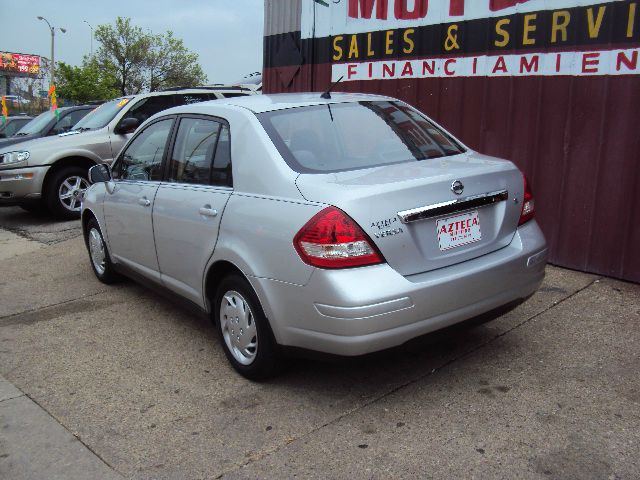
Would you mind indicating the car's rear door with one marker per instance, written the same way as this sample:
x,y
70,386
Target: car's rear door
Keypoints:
x,y
127,208
190,201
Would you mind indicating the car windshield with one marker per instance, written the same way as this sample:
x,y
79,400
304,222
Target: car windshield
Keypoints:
x,y
102,115
348,136
37,124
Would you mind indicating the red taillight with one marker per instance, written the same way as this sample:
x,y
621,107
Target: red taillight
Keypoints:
x,y
331,239
528,204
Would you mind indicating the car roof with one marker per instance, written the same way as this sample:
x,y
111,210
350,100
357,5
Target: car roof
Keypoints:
x,y
280,101
180,90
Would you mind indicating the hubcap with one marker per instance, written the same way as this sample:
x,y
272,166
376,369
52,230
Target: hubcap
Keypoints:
x,y
96,250
71,192
238,327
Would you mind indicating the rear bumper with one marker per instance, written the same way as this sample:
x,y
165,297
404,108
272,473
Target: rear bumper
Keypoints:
x,y
21,185
362,310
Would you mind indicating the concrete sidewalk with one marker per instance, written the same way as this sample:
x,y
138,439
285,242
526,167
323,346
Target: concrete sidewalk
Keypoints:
x,y
33,445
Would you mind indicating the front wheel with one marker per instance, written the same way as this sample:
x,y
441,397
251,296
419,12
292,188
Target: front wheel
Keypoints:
x,y
64,192
247,339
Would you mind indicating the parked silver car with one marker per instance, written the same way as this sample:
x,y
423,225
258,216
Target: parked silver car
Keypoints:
x,y
51,173
343,225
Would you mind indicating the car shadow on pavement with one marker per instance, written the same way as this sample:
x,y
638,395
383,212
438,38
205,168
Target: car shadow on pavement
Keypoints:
x,y
414,359
40,226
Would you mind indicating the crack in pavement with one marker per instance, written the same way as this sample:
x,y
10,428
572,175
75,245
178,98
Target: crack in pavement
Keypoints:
x,y
33,235
266,453
11,398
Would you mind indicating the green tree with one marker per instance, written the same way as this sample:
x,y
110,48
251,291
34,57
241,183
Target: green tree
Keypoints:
x,y
144,61
171,64
124,49
85,83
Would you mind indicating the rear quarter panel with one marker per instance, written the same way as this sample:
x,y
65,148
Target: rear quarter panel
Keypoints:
x,y
256,235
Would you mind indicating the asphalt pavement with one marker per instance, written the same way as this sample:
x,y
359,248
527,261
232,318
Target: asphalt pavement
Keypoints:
x,y
117,382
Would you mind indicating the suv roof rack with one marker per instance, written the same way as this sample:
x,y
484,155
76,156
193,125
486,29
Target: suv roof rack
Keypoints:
x,y
206,87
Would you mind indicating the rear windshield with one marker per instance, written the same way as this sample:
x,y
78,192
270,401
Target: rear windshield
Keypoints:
x,y
102,115
349,136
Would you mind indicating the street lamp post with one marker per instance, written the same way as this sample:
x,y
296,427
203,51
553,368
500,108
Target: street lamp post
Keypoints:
x,y
52,74
91,36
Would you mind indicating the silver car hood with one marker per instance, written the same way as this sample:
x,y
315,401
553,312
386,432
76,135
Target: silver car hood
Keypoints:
x,y
93,144
44,143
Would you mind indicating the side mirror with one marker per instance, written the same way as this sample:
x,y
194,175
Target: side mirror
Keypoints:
x,y
100,173
128,125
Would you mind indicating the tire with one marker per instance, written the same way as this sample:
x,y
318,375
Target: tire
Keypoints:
x,y
256,356
37,208
63,192
99,255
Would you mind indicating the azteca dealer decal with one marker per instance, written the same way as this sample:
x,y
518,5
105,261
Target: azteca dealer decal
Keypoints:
x,y
458,230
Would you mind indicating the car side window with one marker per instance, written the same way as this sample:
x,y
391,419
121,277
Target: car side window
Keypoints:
x,y
194,150
147,107
142,158
78,115
221,170
13,127
68,121
189,98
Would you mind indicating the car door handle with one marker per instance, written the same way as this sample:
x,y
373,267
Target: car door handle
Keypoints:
x,y
207,211
144,201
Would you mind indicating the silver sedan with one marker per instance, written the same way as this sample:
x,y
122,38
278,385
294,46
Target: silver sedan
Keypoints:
x,y
343,225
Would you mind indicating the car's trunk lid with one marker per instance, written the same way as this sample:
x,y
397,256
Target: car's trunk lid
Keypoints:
x,y
407,209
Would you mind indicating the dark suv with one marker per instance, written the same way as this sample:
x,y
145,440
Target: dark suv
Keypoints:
x,y
12,125
47,124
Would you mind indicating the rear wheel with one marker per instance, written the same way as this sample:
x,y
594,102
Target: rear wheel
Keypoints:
x,y
98,254
247,339
64,192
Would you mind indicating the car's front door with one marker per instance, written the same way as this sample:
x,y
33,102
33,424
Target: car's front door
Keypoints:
x,y
128,207
190,202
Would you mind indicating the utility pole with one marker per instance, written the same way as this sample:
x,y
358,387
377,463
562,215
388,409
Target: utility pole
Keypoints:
x,y
52,74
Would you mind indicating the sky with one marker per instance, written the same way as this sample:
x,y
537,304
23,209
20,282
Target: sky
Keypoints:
x,y
226,34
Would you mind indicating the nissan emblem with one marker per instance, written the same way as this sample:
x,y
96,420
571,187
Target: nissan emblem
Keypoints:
x,y
457,187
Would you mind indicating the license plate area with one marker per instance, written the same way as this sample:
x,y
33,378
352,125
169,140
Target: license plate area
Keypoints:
x,y
458,230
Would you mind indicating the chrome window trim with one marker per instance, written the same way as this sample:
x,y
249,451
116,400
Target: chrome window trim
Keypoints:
x,y
195,186
452,206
